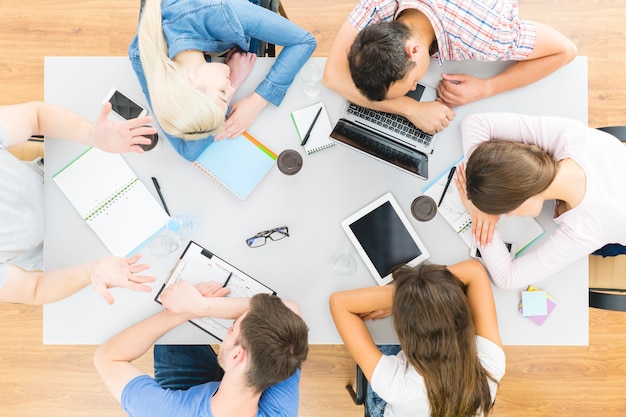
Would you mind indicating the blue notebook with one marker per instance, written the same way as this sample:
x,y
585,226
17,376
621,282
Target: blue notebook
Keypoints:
x,y
237,164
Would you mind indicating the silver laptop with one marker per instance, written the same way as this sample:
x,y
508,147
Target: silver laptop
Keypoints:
x,y
386,136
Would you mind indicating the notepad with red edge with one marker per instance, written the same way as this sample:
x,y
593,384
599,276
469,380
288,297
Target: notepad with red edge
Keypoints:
x,y
237,164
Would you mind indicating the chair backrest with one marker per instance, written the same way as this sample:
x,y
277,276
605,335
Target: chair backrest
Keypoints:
x,y
261,48
359,393
607,285
617,131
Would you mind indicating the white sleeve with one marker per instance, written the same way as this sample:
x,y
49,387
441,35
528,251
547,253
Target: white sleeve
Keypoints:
x,y
559,250
548,133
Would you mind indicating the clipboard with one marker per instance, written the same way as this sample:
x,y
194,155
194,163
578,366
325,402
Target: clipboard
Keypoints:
x,y
197,265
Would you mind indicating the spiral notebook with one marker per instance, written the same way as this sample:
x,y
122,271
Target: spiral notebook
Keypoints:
x,y
523,231
237,164
116,205
197,265
320,134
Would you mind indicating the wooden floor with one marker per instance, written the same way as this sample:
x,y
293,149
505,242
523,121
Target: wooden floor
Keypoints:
x,y
38,380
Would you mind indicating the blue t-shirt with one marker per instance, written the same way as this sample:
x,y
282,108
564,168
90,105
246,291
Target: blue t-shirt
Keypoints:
x,y
143,396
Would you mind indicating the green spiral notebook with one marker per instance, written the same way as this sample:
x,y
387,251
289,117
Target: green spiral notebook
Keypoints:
x,y
238,164
115,204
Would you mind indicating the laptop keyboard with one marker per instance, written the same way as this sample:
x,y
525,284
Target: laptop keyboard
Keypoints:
x,y
405,158
393,122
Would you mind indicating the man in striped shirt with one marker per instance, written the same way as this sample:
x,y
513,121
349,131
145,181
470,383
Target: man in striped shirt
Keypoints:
x,y
385,46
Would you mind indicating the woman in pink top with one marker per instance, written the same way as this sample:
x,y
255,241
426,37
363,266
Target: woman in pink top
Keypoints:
x,y
515,163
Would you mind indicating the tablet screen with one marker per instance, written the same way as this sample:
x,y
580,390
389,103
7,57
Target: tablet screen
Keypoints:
x,y
385,239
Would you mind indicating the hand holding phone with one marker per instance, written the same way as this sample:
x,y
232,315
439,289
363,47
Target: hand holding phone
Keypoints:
x,y
124,106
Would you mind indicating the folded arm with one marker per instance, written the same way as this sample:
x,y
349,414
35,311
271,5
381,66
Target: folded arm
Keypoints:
x,y
552,50
346,308
429,116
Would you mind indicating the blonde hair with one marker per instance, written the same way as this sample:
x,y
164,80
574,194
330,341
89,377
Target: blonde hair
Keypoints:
x,y
182,109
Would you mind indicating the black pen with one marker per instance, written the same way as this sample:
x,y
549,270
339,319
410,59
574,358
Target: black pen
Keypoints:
x,y
308,133
158,188
450,176
227,279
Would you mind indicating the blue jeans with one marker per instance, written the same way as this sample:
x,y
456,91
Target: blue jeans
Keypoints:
x,y
180,367
611,249
376,405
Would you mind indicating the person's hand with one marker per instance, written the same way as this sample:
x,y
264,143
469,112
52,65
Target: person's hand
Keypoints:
x,y
432,117
483,224
241,116
184,298
458,89
240,64
376,315
115,271
120,137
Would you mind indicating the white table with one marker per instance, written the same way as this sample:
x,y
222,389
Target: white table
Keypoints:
x,y
332,184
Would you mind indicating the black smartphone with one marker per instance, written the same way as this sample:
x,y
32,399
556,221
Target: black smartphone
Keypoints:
x,y
124,106
475,253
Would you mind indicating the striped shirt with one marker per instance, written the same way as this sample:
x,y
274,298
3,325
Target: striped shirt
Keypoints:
x,y
484,30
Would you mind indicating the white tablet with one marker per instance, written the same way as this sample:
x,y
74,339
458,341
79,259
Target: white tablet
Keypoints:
x,y
384,238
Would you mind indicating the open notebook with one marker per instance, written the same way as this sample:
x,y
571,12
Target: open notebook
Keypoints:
x,y
319,137
112,200
197,265
238,164
523,231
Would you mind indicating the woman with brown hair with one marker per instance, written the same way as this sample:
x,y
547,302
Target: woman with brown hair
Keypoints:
x,y
451,356
515,163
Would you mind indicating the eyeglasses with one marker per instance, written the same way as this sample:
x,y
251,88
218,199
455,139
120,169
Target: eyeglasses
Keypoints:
x,y
260,238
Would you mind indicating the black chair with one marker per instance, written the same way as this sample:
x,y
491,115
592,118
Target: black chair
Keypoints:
x,y
359,393
609,298
263,48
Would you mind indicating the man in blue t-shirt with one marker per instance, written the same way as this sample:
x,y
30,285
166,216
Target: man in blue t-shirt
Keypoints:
x,y
256,373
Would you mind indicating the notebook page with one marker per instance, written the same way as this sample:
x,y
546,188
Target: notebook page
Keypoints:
x,y
111,199
451,207
320,135
88,168
129,221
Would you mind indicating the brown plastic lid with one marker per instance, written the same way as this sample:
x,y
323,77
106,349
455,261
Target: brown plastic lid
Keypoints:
x,y
289,162
423,208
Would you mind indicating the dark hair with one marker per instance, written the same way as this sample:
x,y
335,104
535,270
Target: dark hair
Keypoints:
x,y
276,339
378,58
434,325
501,175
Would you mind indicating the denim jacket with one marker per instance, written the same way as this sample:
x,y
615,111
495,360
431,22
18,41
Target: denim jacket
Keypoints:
x,y
218,25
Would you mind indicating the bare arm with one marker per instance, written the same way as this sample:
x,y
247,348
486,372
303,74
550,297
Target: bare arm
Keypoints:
x,y
203,300
346,308
552,51
113,359
38,288
430,117
480,298
36,118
